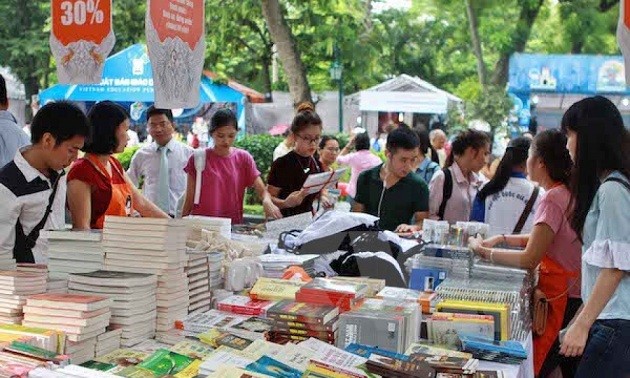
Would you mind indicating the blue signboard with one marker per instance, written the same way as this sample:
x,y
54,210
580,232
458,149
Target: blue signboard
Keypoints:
x,y
575,74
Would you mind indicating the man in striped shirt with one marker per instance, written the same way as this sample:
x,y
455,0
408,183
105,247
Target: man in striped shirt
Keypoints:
x,y
33,185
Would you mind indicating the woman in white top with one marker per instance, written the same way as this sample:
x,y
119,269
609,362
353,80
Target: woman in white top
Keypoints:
x,y
502,201
470,152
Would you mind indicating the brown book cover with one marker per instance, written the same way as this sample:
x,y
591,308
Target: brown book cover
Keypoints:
x,y
288,310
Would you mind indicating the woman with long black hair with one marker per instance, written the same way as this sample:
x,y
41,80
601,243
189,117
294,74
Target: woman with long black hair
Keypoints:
x,y
509,201
600,192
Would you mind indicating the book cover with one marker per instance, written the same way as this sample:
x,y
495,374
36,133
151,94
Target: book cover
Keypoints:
x,y
374,284
444,328
233,341
390,367
274,289
366,351
243,305
69,301
288,310
96,365
424,279
159,364
323,335
331,326
123,357
32,351
273,368
381,330
445,364
252,328
227,371
192,349
500,313
318,369
334,288
435,351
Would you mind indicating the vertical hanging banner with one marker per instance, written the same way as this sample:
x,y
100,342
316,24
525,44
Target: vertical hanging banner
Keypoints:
x,y
623,35
81,39
176,46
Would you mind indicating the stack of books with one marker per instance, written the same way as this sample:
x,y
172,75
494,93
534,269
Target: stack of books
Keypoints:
x,y
133,297
57,286
443,328
196,223
108,342
15,287
158,247
18,358
73,252
47,339
198,273
298,321
274,265
345,295
375,285
81,317
215,266
243,305
194,324
390,326
426,300
32,268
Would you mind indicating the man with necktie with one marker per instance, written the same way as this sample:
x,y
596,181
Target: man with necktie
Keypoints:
x,y
161,163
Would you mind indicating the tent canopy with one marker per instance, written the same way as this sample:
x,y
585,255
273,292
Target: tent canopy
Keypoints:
x,y
419,97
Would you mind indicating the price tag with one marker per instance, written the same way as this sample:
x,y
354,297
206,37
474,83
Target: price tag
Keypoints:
x,y
81,39
175,41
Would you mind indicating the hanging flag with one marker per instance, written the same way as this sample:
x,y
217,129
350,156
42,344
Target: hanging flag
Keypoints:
x,y
176,46
623,35
81,39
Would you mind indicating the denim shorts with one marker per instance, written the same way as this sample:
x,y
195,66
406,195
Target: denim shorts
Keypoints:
x,y
607,352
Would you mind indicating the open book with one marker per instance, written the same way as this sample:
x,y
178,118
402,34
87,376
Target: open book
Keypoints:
x,y
315,183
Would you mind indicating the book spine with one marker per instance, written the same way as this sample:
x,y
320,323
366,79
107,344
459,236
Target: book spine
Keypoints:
x,y
283,317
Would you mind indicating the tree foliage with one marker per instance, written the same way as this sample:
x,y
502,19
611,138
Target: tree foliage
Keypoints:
x,y
431,40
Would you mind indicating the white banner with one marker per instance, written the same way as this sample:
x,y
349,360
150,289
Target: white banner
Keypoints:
x,y
623,35
409,102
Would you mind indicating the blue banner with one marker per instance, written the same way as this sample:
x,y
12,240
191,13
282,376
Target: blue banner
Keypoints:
x,y
575,74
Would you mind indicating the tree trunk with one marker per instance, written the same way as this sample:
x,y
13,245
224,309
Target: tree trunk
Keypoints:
x,y
520,36
476,42
287,50
266,72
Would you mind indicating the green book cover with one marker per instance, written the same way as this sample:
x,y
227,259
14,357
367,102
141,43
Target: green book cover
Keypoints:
x,y
96,365
162,362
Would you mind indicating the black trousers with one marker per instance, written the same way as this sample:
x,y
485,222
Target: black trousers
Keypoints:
x,y
567,365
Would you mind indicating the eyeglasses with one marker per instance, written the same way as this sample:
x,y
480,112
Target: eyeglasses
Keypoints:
x,y
310,140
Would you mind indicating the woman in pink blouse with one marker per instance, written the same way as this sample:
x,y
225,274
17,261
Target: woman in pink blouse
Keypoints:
x,y
359,161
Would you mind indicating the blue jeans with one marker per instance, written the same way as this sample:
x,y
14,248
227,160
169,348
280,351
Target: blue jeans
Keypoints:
x,y
607,352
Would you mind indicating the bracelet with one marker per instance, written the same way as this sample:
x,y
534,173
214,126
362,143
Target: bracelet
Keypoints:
x,y
492,255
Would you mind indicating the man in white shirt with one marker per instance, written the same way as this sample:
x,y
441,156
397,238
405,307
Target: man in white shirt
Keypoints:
x,y
33,184
161,163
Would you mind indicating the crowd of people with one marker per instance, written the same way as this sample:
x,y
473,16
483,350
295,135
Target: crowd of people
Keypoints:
x,y
558,201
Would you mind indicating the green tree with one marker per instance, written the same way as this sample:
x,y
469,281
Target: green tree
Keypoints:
x,y
24,47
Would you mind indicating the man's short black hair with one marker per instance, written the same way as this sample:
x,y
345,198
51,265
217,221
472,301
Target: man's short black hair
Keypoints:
x,y
152,111
404,138
105,117
63,120
4,97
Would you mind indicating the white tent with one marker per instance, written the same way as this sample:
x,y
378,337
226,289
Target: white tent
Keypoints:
x,y
403,94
